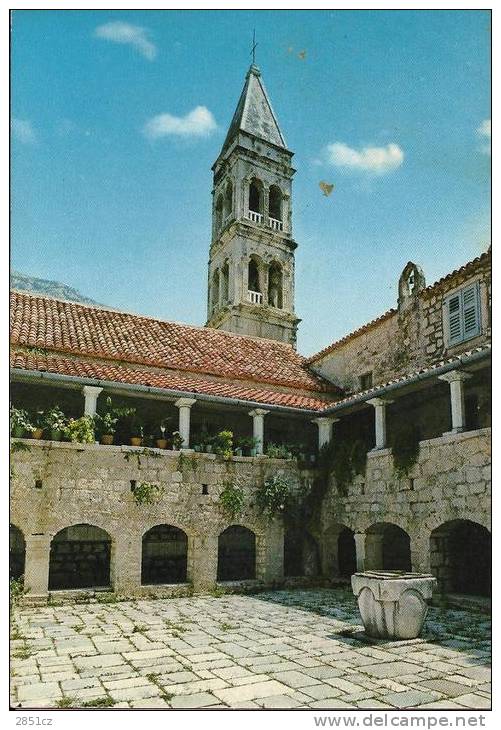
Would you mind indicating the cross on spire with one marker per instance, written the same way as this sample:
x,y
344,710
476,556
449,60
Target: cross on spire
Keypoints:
x,y
254,46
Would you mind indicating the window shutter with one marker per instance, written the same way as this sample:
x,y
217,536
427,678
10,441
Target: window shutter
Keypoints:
x,y
454,311
471,312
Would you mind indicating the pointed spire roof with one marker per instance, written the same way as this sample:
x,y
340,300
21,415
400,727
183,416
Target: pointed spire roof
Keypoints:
x,y
254,113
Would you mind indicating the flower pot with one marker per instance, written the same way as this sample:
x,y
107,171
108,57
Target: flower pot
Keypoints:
x,y
18,432
208,449
253,452
392,603
37,433
238,452
55,434
136,441
161,443
107,439
197,448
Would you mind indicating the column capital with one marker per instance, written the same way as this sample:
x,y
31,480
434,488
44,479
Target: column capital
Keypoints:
x,y
185,402
91,390
379,402
455,376
258,412
325,420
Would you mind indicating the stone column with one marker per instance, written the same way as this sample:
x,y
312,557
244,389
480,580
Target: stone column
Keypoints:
x,y
380,419
324,424
184,405
374,551
91,393
360,550
126,562
273,569
456,379
258,415
36,569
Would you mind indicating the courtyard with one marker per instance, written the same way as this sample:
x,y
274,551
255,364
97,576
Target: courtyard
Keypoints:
x,y
282,649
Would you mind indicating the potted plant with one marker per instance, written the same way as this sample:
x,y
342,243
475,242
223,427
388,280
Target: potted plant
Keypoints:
x,y
176,441
38,425
249,445
162,441
55,422
238,449
19,422
136,431
223,444
80,430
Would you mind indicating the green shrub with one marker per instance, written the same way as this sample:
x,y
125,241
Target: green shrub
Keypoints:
x,y
223,444
55,420
19,422
80,430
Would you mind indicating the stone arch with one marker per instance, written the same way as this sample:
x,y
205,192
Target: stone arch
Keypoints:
x,y
301,553
80,557
255,274
256,195
228,200
275,203
17,552
164,555
219,212
387,547
236,554
460,557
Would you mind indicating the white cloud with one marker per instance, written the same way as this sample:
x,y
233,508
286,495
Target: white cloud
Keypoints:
x,y
132,35
23,131
197,123
484,132
377,160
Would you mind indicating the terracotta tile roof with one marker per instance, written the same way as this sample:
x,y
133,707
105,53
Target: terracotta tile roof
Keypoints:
x,y
79,329
470,265
169,380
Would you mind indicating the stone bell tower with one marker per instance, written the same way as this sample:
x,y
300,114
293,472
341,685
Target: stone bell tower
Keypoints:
x,y
251,261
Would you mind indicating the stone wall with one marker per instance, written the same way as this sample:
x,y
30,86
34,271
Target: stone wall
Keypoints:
x,y
450,481
91,484
408,338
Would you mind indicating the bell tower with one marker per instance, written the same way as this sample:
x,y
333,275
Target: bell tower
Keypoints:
x,y
251,260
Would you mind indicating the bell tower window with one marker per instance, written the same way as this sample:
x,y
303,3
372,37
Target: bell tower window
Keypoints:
x,y
219,213
228,200
275,203
256,200
255,295
275,283
215,290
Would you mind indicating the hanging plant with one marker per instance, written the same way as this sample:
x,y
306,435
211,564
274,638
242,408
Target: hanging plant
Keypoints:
x,y
232,499
405,449
147,493
272,496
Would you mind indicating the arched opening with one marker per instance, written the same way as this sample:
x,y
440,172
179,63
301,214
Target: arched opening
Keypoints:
x,y
387,547
164,555
275,279
346,553
80,557
225,282
301,554
275,203
17,553
215,290
219,213
460,558
228,200
256,196
254,283
236,554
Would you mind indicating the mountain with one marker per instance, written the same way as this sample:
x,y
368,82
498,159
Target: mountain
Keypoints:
x,y
47,287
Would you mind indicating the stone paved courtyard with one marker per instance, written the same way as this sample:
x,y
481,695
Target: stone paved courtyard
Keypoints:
x,y
280,649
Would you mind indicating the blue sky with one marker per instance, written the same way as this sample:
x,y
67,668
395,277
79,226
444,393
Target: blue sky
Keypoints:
x,y
392,107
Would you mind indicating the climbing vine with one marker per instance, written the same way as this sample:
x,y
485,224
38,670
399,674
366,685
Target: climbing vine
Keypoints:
x,y
232,499
405,448
147,493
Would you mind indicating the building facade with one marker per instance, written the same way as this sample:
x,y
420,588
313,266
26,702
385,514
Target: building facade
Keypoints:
x,y
389,427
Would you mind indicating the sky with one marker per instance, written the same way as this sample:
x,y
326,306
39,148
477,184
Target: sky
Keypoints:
x,y
117,117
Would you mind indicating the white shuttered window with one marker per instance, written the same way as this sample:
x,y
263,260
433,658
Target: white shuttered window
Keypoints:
x,y
463,314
